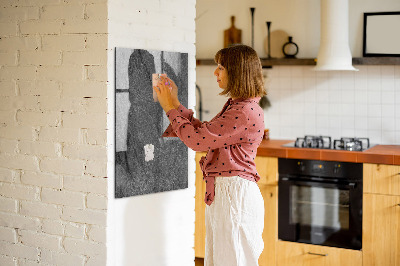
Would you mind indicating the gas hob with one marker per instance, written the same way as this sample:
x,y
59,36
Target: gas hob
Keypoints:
x,y
325,142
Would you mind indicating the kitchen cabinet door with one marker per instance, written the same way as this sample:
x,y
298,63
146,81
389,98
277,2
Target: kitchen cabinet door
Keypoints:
x,y
381,179
270,233
200,207
267,168
381,230
298,254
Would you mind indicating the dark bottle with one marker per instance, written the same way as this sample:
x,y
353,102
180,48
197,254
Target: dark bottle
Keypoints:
x,y
290,49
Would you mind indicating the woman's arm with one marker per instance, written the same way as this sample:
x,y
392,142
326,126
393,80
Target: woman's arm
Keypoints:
x,y
228,129
186,113
183,111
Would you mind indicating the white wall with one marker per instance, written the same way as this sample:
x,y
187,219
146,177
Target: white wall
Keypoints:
x,y
298,18
155,229
338,104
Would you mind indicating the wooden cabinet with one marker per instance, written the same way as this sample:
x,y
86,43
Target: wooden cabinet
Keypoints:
x,y
381,179
381,215
381,230
381,221
268,169
270,233
298,254
200,207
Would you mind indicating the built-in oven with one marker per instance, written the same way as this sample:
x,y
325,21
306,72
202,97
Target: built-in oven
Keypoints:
x,y
320,202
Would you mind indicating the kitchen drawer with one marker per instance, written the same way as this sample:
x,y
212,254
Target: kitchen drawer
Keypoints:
x,y
298,254
267,168
381,179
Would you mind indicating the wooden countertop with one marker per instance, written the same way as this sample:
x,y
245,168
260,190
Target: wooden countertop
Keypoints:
x,y
379,154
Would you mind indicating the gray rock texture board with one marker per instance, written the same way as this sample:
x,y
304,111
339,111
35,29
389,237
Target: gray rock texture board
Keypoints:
x,y
145,162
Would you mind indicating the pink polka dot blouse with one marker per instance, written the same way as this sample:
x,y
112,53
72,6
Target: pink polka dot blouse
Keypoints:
x,y
231,139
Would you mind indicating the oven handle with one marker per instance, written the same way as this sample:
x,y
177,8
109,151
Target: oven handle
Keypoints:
x,y
297,181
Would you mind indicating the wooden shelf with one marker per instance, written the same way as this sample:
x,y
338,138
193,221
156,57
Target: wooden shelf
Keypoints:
x,y
376,61
312,61
267,63
288,62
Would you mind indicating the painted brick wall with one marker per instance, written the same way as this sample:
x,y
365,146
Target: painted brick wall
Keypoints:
x,y
155,229
53,105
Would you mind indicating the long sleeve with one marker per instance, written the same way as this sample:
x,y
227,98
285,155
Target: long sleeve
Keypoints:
x,y
186,113
225,130
231,139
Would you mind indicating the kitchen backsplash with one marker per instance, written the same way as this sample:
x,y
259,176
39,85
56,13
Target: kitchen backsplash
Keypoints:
x,y
337,104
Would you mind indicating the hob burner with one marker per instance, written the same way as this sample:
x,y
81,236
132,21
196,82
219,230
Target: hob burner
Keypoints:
x,y
321,142
351,144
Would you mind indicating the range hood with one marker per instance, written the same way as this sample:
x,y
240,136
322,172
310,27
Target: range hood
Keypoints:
x,y
334,51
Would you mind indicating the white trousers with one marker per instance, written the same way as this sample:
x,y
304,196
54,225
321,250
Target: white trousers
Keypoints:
x,y
234,223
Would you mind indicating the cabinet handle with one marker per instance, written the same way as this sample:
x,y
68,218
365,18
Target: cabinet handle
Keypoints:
x,y
318,254
398,204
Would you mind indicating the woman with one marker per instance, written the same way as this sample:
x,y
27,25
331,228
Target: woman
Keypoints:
x,y
235,207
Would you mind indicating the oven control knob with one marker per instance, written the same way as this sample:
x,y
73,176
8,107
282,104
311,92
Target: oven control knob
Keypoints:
x,y
336,169
302,167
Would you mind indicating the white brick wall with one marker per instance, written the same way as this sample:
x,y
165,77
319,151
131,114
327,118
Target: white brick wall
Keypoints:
x,y
53,130
53,109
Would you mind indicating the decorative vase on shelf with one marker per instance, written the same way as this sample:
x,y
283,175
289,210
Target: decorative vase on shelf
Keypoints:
x,y
290,49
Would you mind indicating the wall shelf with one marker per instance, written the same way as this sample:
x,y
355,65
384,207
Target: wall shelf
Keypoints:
x,y
312,61
376,61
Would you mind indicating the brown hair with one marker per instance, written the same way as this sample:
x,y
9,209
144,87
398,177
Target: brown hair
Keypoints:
x,y
245,78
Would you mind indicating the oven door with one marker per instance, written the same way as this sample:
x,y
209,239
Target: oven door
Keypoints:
x,y
321,212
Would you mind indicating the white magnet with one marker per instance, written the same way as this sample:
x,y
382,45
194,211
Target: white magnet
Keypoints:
x,y
148,152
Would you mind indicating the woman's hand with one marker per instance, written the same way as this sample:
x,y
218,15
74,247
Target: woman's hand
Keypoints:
x,y
164,95
174,91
